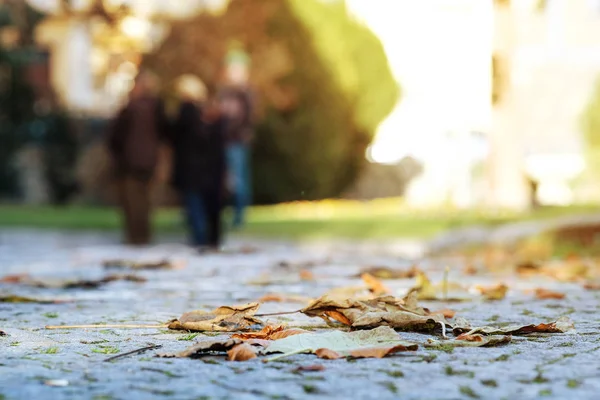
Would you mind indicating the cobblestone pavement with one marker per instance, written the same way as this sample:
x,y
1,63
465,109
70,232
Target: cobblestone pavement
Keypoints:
x,y
555,366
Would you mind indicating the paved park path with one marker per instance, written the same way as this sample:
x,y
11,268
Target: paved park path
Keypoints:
x,y
555,366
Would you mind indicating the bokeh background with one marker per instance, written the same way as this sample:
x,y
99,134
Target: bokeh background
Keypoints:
x,y
375,117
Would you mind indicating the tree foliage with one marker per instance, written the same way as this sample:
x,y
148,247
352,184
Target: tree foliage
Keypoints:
x,y
355,57
322,79
591,119
16,94
591,129
16,107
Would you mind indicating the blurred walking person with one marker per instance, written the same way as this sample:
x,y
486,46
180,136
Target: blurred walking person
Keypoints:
x,y
199,170
237,105
134,140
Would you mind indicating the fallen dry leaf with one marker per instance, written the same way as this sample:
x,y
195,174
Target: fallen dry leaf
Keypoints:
x,y
461,325
545,294
27,280
283,298
270,333
389,273
496,292
375,285
411,303
570,270
592,286
467,340
470,269
349,292
572,257
268,279
310,368
241,352
204,348
446,312
11,298
470,338
379,352
222,319
449,291
287,332
327,354
338,316
307,275
528,268
374,343
381,311
562,325
272,298
140,265
16,278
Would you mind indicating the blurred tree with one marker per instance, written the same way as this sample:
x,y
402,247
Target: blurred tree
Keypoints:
x,y
354,56
18,14
20,123
322,79
16,108
591,131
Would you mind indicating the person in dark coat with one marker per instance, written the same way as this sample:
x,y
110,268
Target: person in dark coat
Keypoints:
x,y
199,172
134,139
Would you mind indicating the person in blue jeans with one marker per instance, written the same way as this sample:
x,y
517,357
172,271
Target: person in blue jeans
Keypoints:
x,y
199,163
236,105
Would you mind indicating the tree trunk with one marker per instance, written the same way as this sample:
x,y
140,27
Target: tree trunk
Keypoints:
x,y
507,180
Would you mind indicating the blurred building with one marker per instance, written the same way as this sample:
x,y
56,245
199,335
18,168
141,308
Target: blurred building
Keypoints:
x,y
519,71
74,59
96,45
440,52
548,54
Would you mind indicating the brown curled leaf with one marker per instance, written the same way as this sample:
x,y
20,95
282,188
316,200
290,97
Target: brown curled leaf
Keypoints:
x,y
328,354
241,352
222,319
269,333
310,368
545,294
375,285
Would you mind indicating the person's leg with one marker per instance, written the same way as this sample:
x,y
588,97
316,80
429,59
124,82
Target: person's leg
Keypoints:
x,y
139,194
212,200
246,184
145,208
232,167
237,157
125,202
196,218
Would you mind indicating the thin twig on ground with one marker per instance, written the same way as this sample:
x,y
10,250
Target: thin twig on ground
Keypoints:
x,y
277,313
132,326
133,352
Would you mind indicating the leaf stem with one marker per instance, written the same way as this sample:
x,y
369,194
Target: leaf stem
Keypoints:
x,y
133,352
291,353
277,313
104,326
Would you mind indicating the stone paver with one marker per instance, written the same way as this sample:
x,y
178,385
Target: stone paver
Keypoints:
x,y
556,366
